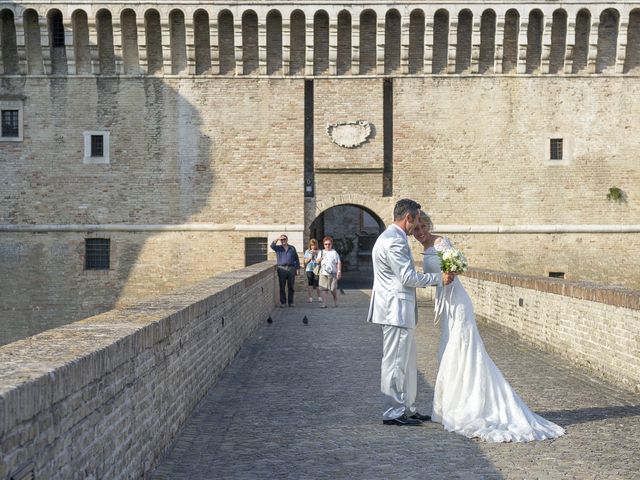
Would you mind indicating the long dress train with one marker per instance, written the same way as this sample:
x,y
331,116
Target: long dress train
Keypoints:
x,y
471,396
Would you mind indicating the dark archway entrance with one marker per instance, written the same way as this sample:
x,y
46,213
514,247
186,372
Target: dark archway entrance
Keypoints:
x,y
354,229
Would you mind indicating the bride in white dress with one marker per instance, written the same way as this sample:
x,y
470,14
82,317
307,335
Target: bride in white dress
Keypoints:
x,y
471,396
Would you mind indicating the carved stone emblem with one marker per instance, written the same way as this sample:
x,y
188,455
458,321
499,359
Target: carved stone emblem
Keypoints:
x,y
349,134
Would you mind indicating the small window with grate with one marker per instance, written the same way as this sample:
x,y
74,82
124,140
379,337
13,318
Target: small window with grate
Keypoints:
x,y
556,274
255,250
555,146
97,145
10,123
10,120
97,253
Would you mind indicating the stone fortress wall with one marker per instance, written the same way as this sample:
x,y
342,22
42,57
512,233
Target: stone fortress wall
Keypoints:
x,y
324,38
217,114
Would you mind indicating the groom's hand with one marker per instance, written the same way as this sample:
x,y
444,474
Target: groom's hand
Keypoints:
x,y
448,277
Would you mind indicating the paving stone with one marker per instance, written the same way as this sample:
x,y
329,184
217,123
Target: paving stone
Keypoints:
x,y
303,402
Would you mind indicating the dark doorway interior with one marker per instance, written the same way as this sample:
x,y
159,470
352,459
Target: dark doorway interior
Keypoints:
x,y
354,230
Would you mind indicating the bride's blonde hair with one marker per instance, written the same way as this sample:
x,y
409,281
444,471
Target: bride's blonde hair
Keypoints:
x,y
424,216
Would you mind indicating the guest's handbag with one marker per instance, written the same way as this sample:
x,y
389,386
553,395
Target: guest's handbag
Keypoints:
x,y
316,270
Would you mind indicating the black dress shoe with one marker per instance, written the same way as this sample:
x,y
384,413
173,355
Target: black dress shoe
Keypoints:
x,y
422,418
403,421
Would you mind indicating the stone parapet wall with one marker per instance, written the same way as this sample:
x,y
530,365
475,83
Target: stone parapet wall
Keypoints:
x,y
103,397
323,38
595,326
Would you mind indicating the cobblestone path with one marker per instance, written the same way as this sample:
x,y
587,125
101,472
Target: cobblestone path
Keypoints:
x,y
303,402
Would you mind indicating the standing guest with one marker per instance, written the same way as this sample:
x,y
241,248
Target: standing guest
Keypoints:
x,y
330,271
288,266
310,264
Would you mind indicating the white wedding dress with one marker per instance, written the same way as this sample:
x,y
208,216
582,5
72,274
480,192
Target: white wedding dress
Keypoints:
x,y
471,396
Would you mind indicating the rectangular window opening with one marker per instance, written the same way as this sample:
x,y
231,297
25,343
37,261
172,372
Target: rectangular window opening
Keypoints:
x,y
556,274
97,146
97,253
10,123
555,145
255,250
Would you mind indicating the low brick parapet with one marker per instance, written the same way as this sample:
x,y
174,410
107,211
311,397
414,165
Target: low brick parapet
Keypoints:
x,y
595,326
611,295
103,397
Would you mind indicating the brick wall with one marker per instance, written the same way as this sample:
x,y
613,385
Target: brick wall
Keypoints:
x,y
481,161
45,285
182,152
103,397
228,151
597,327
340,100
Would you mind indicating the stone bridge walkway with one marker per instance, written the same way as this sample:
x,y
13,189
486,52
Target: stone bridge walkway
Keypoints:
x,y
303,402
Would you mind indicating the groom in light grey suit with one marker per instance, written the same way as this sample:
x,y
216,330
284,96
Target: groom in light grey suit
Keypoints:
x,y
393,305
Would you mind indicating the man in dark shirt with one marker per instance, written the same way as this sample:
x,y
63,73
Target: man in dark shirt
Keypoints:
x,y
288,266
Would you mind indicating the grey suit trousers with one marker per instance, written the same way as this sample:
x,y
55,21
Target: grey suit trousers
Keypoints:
x,y
399,376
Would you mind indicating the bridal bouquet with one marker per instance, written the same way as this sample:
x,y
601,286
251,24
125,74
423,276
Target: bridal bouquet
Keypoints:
x,y
453,260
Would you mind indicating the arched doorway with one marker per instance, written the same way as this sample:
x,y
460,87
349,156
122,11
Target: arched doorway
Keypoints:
x,y
354,229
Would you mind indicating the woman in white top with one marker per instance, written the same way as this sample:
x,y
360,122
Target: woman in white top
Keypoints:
x,y
330,271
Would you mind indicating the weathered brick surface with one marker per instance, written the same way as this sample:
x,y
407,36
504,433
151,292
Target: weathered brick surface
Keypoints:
x,y
340,100
170,164
102,397
181,151
472,151
596,327
45,285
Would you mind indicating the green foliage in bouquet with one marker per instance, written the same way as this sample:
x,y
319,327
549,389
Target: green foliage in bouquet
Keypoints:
x,y
453,260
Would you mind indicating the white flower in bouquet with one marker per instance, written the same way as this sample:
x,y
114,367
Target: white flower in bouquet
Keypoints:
x,y
453,260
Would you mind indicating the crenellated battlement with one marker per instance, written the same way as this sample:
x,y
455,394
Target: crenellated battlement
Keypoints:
x,y
320,39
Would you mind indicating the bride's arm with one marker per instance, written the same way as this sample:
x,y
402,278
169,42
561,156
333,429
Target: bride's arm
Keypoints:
x,y
442,243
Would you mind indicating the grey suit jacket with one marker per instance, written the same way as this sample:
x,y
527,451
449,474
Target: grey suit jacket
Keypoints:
x,y
393,298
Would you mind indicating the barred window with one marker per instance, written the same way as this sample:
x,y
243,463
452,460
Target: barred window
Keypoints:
x,y
10,123
255,250
97,145
555,144
97,253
